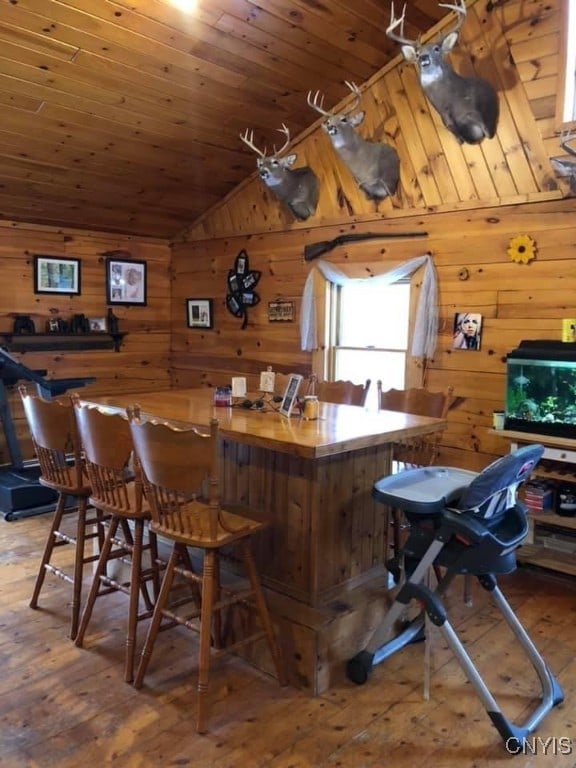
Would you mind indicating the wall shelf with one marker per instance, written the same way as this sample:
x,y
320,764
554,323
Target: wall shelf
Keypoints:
x,y
39,342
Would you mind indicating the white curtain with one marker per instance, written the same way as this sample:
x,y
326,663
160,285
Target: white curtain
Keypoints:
x,y
426,330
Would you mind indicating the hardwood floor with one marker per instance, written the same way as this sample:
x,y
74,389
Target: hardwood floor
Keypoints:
x,y
68,707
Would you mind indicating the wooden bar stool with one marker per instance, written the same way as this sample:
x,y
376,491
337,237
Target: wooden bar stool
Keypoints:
x,y
412,452
342,392
180,476
117,492
57,445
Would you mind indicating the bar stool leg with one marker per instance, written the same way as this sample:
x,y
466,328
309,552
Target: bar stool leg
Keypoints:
x,y
208,586
156,618
94,589
78,566
135,584
48,549
262,609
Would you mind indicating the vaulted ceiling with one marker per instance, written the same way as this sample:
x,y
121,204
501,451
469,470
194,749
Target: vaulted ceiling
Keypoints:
x,y
125,115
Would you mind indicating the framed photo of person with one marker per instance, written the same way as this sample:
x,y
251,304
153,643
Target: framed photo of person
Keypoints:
x,y
467,332
199,313
55,274
125,282
290,394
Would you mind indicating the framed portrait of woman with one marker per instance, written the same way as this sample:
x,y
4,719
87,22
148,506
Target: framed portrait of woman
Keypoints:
x,y
467,332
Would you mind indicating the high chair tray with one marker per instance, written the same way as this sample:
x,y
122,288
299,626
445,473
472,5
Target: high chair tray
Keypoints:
x,y
426,490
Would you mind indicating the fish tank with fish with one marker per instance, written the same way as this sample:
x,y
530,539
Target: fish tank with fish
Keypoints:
x,y
541,388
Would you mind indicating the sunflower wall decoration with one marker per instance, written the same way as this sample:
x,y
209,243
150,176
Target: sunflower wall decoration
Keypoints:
x,y
522,249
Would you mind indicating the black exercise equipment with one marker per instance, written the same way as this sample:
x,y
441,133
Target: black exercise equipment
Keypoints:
x,y
21,495
465,523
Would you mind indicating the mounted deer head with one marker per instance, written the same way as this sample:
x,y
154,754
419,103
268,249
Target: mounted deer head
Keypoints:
x,y
298,189
468,106
375,167
566,166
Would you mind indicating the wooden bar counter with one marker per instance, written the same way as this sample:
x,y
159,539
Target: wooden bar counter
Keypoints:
x,y
321,559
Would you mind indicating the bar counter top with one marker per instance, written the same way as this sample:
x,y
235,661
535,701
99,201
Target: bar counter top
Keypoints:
x,y
340,428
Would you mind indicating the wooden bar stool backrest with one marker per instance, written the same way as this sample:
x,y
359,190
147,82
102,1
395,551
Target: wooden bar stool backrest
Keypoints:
x,y
56,441
417,451
108,449
180,474
342,392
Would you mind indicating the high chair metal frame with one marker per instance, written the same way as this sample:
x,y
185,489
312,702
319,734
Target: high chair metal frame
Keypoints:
x,y
466,523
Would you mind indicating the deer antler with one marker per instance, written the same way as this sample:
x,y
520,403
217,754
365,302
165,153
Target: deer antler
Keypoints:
x,y
248,139
398,22
286,132
358,96
317,103
459,10
565,138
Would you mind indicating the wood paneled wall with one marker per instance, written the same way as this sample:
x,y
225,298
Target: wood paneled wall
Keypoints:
x,y
143,361
470,200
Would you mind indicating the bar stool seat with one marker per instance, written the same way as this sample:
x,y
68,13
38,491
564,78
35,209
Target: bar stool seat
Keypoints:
x,y
117,492
57,446
179,472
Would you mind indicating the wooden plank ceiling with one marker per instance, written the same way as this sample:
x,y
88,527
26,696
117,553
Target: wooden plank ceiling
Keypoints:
x,y
125,115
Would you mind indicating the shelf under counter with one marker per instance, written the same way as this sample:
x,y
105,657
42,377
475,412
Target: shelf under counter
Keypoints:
x,y
40,342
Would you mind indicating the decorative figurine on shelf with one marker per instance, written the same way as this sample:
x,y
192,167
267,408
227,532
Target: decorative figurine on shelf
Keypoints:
x,y
23,324
112,323
54,325
79,324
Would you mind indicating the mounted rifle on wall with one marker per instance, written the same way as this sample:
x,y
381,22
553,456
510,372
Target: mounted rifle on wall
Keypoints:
x,y
297,188
468,106
375,166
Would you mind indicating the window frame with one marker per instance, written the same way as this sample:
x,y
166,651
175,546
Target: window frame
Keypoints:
x,y
323,359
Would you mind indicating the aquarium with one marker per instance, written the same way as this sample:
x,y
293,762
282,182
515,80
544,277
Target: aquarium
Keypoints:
x,y
541,388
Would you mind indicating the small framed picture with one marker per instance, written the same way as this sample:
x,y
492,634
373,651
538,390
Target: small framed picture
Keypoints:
x,y
125,282
241,263
290,394
55,274
97,324
467,331
199,313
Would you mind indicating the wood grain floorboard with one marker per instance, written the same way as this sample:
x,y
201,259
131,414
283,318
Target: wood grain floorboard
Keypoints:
x,y
65,707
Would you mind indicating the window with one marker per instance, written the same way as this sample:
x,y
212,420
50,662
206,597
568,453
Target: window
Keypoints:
x,y
567,91
370,335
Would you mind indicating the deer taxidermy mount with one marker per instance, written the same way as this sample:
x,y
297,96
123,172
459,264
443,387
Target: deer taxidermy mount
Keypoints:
x,y
468,106
297,188
375,166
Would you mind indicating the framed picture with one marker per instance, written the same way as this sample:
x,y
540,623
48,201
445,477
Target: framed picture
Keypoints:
x,y
280,311
467,330
199,313
55,274
97,324
125,282
290,394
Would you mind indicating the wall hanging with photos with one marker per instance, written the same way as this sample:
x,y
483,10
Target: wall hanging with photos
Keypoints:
x,y
241,283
